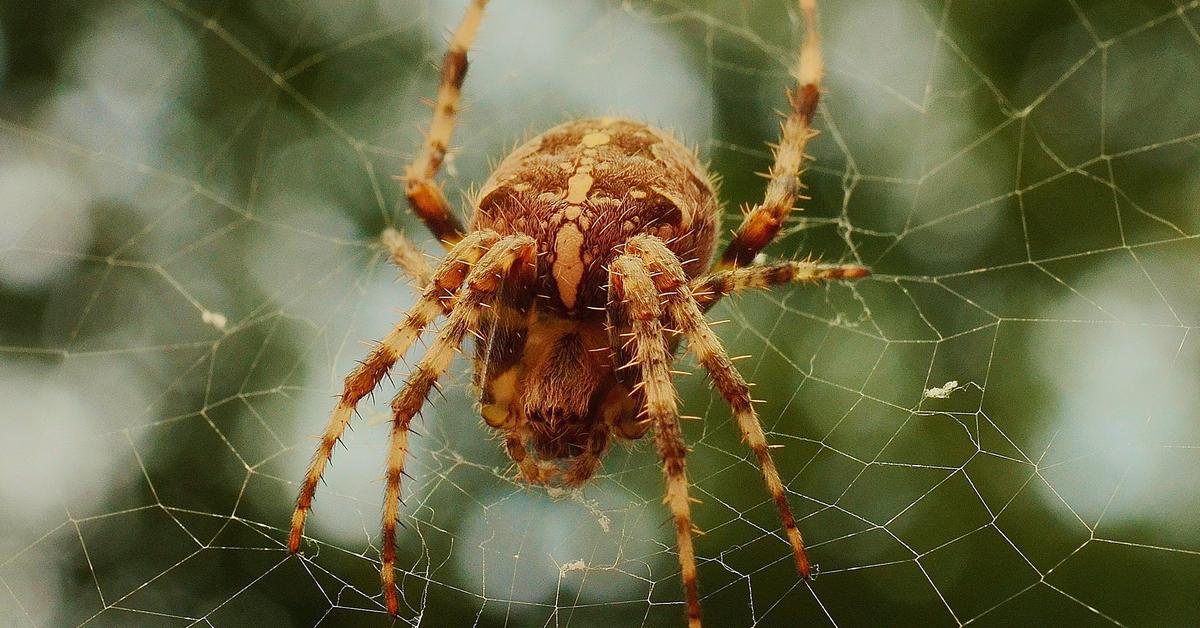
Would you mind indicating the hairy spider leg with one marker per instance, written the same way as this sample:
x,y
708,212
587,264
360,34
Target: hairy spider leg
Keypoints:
x,y
527,465
763,222
505,326
631,289
512,254
711,288
433,302
424,195
684,314
407,257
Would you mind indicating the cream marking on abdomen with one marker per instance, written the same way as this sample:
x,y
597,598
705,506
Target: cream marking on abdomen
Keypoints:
x,y
568,264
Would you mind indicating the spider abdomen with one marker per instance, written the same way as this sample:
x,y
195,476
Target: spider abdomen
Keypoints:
x,y
583,188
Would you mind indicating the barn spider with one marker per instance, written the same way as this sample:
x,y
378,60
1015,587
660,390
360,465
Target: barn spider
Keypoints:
x,y
586,261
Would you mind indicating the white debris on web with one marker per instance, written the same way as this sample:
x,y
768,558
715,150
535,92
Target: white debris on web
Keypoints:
x,y
943,391
216,319
575,565
602,519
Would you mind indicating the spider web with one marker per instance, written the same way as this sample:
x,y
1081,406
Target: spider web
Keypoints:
x,y
999,427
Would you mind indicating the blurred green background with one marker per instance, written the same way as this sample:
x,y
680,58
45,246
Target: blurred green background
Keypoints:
x,y
999,428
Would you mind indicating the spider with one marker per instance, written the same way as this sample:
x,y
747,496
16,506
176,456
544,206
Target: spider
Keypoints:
x,y
586,262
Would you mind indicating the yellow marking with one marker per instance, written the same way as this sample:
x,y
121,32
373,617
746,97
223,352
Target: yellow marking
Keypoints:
x,y
572,212
639,194
504,386
595,139
521,187
568,262
578,187
495,415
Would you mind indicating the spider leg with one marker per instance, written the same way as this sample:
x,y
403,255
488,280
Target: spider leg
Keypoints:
x,y
584,465
514,446
497,368
512,254
366,377
532,470
631,289
424,195
684,313
407,257
711,288
764,221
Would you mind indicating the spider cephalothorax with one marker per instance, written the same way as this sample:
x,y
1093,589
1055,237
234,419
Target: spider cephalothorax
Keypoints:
x,y
586,262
